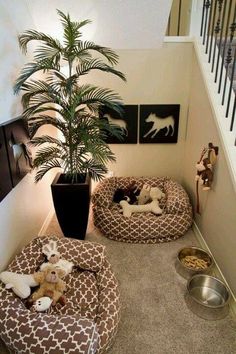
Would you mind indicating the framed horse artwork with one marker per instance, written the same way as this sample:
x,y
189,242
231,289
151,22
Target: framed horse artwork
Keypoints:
x,y
5,175
128,123
159,123
20,158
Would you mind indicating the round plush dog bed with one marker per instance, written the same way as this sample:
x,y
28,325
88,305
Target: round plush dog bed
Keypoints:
x,y
142,227
88,321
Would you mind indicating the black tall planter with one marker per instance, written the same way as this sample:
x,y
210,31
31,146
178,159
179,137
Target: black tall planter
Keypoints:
x,y
71,203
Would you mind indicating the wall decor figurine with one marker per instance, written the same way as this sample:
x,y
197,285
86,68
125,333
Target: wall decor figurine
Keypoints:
x,y
159,123
205,172
5,175
128,123
20,159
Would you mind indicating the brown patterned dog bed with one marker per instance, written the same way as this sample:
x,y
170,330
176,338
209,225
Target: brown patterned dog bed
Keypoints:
x,y
142,227
88,321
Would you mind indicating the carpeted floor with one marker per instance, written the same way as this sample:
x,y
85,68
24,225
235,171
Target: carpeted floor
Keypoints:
x,y
155,318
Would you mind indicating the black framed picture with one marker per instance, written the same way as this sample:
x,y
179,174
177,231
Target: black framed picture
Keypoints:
x,y
128,123
20,158
5,175
159,123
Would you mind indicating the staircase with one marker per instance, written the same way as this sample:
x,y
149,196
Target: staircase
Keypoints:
x,y
210,22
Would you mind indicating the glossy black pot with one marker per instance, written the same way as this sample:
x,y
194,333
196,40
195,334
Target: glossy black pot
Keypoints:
x,y
71,203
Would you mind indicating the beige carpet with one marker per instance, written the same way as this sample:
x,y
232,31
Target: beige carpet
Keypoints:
x,y
155,318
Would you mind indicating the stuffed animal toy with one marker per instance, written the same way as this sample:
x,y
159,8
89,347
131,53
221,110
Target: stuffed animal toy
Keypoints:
x,y
204,173
130,194
205,170
144,195
51,284
152,207
42,304
53,257
19,283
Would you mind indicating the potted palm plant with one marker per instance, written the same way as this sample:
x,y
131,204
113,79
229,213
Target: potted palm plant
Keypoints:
x,y
51,96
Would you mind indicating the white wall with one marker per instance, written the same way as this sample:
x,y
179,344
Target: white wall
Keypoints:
x,y
160,76
217,222
24,210
116,24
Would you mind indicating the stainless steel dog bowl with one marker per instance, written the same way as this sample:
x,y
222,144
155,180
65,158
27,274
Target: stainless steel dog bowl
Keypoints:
x,y
207,296
201,254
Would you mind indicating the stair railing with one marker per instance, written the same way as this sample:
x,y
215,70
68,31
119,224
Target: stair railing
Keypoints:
x,y
179,19
218,30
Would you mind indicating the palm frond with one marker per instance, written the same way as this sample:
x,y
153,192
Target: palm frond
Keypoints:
x,y
45,139
33,35
86,46
46,154
30,69
38,91
71,29
45,52
88,94
96,64
34,123
96,170
102,153
109,129
54,163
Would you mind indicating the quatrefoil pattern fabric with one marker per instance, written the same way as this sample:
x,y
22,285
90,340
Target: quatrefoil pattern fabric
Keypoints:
x,y
86,324
142,227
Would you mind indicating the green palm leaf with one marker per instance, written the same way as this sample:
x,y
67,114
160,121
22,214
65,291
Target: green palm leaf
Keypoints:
x,y
108,53
40,140
32,68
60,100
54,163
88,94
37,122
96,64
33,35
46,154
71,29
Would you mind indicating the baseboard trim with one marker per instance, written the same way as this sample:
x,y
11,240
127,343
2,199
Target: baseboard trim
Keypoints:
x,y
46,222
216,271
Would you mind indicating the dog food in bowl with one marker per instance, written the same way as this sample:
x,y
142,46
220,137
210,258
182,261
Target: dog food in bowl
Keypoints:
x,y
193,260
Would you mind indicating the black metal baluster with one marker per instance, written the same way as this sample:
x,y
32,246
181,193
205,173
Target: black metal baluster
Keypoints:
x,y
168,26
229,54
220,42
209,26
179,16
232,118
231,85
212,31
203,15
224,47
207,6
228,60
217,30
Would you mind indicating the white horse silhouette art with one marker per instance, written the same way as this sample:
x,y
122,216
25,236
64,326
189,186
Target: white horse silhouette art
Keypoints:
x,y
120,122
160,123
20,150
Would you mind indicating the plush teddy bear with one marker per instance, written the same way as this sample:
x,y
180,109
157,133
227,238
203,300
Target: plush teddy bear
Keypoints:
x,y
51,284
153,207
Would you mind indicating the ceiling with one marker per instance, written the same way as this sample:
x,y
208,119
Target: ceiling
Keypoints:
x,y
120,24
